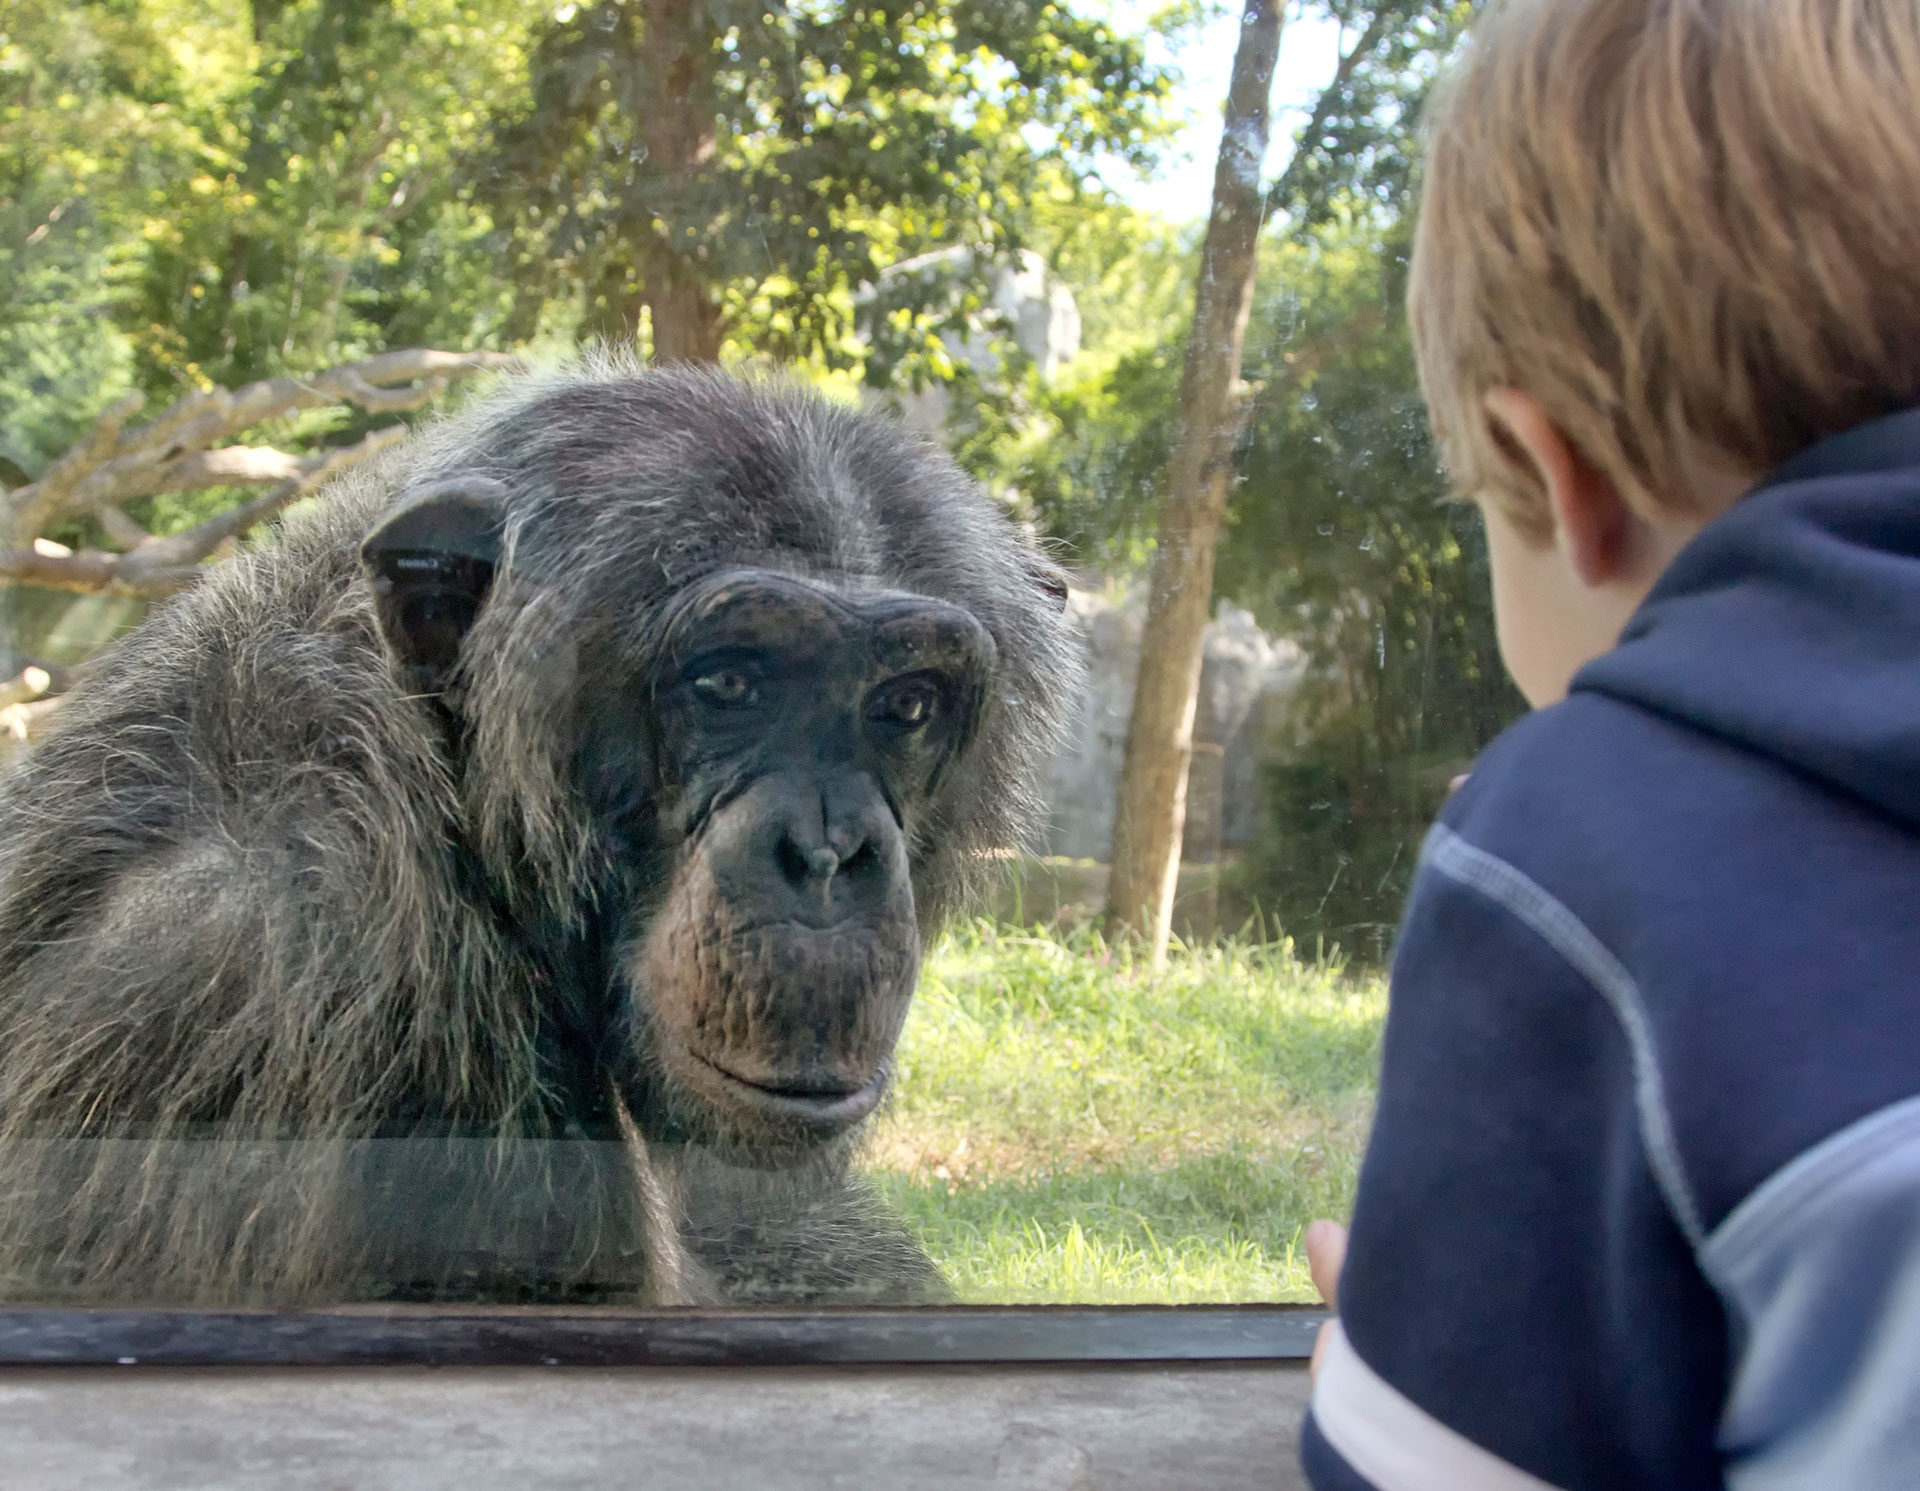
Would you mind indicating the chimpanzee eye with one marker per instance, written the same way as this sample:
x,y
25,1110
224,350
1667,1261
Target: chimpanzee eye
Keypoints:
x,y
909,703
729,688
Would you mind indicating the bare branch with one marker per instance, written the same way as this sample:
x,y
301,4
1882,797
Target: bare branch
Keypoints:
x,y
121,530
229,466
89,570
33,682
161,566
26,721
232,466
1281,195
395,400
172,451
159,555
37,500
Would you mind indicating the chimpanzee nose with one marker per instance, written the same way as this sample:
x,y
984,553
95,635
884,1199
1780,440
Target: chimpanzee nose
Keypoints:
x,y
834,850
809,846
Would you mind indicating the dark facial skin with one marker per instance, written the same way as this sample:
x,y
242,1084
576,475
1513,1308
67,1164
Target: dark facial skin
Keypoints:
x,y
799,737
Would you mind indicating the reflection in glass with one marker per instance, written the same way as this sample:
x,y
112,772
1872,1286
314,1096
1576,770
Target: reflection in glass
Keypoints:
x,y
533,857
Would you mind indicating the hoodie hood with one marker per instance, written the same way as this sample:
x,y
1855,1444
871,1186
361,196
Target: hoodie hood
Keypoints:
x,y
1791,624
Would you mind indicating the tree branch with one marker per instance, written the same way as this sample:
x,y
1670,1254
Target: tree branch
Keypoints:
x,y
24,722
51,491
1281,195
236,466
35,681
172,452
161,566
87,571
120,529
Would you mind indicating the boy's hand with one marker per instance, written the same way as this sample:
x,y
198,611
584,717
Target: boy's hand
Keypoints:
x,y
1326,1252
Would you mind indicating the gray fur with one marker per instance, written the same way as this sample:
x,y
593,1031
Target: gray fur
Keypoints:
x,y
235,961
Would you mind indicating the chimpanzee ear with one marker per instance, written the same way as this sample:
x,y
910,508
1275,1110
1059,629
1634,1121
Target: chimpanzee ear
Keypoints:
x,y
1049,579
431,561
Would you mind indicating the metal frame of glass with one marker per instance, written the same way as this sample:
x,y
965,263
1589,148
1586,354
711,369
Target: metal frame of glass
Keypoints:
x,y
436,1335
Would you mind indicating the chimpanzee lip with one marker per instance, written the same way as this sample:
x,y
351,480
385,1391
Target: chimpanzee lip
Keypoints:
x,y
833,1108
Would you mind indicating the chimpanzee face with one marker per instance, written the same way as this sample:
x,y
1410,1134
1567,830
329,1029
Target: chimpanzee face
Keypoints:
x,y
800,735
757,772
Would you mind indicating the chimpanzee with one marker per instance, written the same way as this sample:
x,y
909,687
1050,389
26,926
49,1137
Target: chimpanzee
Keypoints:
x,y
509,881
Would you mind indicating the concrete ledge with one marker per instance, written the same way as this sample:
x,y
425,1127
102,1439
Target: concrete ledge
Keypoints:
x,y
1093,1428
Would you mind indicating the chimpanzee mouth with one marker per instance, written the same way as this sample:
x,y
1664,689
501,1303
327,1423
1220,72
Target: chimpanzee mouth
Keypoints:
x,y
818,1107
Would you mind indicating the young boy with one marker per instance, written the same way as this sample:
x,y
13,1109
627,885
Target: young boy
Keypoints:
x,y
1642,1202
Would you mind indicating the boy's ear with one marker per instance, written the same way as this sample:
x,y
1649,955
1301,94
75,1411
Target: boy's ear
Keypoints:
x,y
430,562
1592,523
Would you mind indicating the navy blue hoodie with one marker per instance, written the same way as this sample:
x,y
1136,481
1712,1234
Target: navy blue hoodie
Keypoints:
x,y
1642,1202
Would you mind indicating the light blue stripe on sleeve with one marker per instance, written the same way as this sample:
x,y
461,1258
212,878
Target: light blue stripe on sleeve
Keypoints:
x,y
1820,1269
1567,935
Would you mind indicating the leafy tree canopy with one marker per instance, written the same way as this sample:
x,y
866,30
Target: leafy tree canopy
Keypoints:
x,y
741,167
1338,532
210,191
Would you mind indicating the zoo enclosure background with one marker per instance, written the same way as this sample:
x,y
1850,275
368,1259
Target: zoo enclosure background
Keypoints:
x,y
195,192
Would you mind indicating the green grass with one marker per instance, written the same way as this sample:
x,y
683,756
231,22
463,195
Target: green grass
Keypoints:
x,y
1068,1125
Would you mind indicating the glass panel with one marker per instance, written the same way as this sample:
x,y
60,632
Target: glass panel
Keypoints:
x,y
641,837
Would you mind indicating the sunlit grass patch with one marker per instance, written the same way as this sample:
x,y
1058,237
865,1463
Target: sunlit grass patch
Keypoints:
x,y
1069,1124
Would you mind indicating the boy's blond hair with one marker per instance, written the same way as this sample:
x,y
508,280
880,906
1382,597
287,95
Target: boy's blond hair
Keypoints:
x,y
1690,228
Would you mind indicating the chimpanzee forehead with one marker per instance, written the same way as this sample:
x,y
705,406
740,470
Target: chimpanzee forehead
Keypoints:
x,y
759,607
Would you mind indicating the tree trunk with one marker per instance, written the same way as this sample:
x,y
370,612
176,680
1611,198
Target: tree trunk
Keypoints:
x,y
685,313
679,135
1153,776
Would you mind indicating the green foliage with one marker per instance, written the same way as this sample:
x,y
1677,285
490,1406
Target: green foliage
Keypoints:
x,y
1341,533
247,191
1337,535
210,191
1068,1126
1094,477
845,135
84,120
1075,449
1088,455
1358,146
306,224
205,191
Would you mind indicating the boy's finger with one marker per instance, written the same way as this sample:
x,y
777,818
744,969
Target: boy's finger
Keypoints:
x,y
1326,1252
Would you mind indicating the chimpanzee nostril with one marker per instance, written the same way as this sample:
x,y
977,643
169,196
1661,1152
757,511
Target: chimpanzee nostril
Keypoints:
x,y
812,869
796,864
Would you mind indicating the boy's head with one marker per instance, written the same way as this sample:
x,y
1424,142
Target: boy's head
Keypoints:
x,y
1663,245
